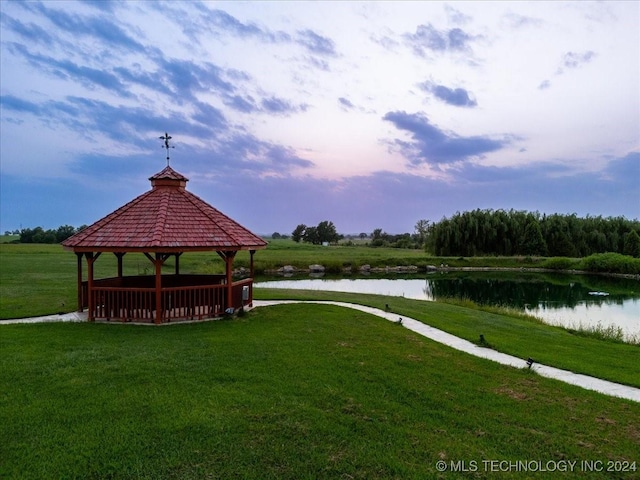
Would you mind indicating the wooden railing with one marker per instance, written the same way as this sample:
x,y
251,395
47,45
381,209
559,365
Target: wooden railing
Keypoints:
x,y
126,304
188,297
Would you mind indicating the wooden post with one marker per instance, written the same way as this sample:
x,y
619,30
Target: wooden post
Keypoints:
x,y
159,312
90,261
251,271
119,255
229,256
178,263
79,255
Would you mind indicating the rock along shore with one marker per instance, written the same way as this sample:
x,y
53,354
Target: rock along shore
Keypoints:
x,y
319,270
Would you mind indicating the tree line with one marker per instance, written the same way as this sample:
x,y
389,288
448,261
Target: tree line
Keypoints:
x,y
40,235
324,232
507,233
472,233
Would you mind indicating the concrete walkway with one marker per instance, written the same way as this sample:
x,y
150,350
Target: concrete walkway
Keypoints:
x,y
62,317
584,381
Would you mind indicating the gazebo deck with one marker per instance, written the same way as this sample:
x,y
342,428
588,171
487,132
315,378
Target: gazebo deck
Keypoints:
x,y
183,297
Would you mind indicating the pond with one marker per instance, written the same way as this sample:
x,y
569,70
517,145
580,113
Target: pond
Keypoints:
x,y
570,301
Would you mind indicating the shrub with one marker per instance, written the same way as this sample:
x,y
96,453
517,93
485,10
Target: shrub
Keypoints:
x,y
559,263
611,263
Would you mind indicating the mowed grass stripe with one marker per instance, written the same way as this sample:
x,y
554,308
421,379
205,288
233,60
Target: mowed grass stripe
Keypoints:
x,y
290,391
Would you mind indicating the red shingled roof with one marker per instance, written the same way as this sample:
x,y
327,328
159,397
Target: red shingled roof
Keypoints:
x,y
167,217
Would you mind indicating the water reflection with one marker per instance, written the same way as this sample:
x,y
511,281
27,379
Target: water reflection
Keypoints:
x,y
558,299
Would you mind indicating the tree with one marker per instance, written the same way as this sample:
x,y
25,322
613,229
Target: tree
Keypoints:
x,y
532,240
632,244
64,232
422,229
299,232
311,235
326,232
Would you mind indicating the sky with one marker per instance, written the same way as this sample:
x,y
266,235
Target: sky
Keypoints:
x,y
366,114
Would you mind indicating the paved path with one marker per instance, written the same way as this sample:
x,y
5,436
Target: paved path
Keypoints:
x,y
62,317
584,381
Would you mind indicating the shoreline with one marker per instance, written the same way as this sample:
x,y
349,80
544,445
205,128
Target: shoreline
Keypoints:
x,y
318,269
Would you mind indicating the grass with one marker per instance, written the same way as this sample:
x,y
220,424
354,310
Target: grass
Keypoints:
x,y
37,279
507,332
9,238
287,392
41,279
610,333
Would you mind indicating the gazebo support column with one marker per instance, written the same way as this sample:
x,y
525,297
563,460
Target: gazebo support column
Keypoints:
x,y
90,261
159,310
251,273
158,261
228,257
119,256
80,303
178,263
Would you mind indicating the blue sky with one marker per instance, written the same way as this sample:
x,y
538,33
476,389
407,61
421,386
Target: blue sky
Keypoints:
x,y
367,114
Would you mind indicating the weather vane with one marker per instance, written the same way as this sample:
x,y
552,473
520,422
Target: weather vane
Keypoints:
x,y
166,139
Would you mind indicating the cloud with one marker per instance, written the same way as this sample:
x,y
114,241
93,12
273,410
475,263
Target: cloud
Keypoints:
x,y
102,28
514,20
186,78
221,19
458,97
31,32
209,116
238,153
574,60
433,146
544,85
214,21
456,16
625,171
134,74
399,200
427,37
65,69
241,104
10,102
570,60
103,5
123,124
315,43
345,103
280,106
218,22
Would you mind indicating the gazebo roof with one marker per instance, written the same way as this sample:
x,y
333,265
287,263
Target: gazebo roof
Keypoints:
x,y
167,218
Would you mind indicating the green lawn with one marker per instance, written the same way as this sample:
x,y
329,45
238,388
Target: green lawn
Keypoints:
x,y
285,392
41,279
514,335
37,279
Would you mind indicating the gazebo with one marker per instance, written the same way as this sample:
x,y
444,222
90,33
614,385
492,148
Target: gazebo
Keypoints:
x,y
164,222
